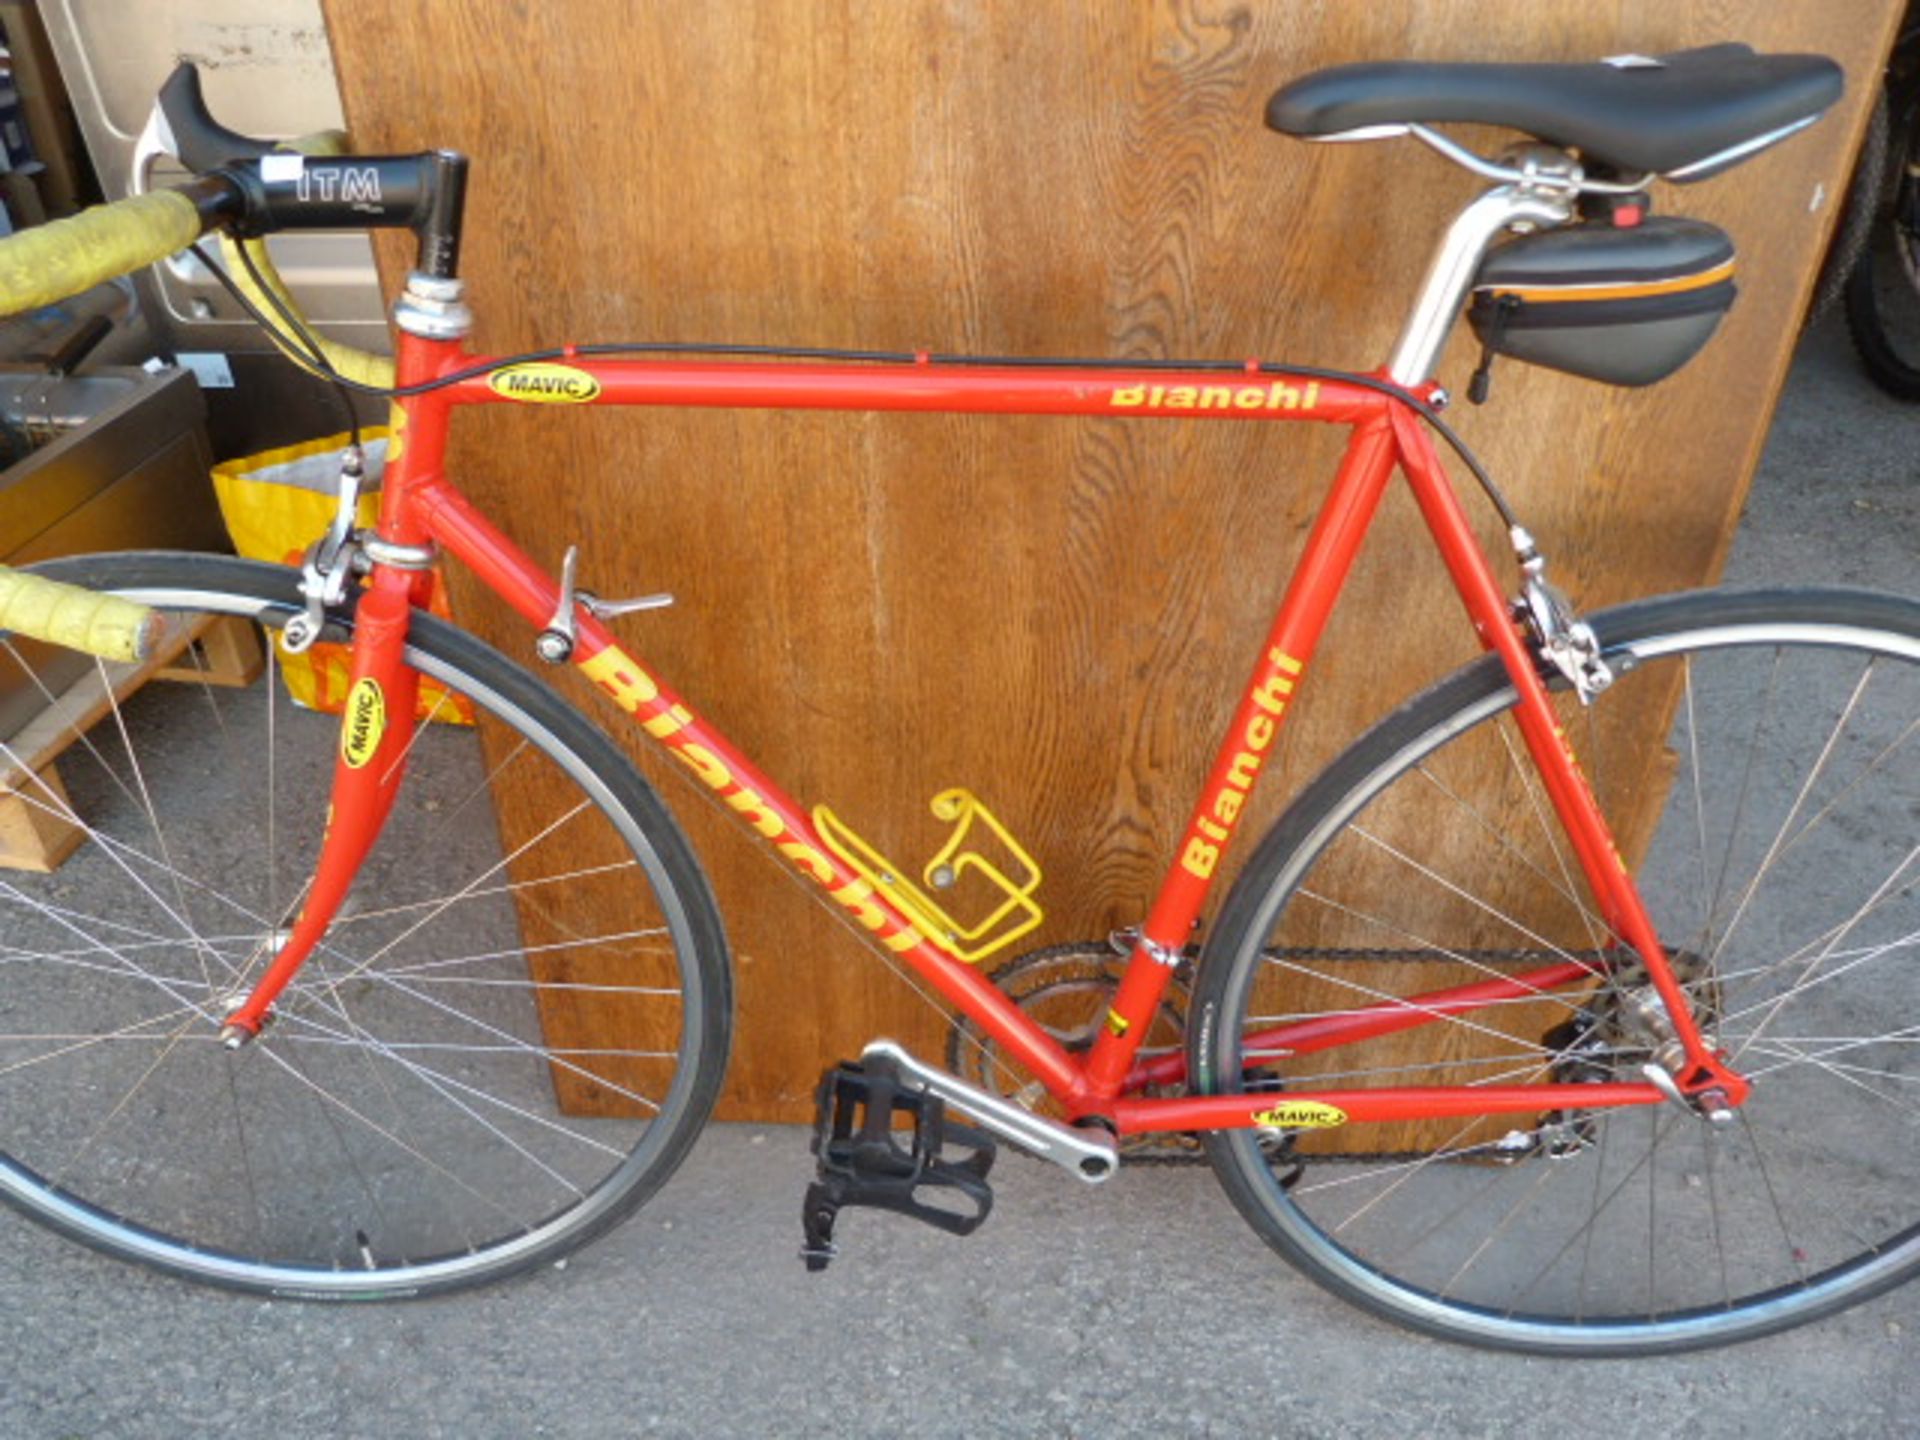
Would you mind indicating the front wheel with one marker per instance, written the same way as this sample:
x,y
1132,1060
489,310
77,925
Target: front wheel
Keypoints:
x,y
507,1040
1757,759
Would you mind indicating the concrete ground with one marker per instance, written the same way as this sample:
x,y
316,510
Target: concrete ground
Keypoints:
x,y
1143,1308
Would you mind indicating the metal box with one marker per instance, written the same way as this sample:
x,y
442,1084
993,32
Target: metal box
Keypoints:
x,y
122,465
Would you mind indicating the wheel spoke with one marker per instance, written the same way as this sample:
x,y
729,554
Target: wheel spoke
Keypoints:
x,y
508,1035
1758,775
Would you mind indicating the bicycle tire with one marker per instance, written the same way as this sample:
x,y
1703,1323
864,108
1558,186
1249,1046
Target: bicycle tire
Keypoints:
x,y
423,1114
1641,1230
1860,211
1882,292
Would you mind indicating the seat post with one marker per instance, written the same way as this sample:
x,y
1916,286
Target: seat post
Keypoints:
x,y
1451,271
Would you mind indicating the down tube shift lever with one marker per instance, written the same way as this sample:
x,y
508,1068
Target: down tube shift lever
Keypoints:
x,y
555,643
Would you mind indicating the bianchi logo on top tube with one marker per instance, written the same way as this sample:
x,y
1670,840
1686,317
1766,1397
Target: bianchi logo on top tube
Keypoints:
x,y
1277,395
543,384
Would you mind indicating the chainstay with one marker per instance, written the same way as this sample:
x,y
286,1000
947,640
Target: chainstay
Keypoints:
x,y
1185,1148
1596,958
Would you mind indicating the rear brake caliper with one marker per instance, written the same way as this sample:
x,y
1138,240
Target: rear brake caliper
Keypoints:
x,y
1563,639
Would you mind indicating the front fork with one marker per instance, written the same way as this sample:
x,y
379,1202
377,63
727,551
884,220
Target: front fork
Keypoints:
x,y
376,734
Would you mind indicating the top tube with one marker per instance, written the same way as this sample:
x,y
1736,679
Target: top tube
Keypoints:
x,y
1256,393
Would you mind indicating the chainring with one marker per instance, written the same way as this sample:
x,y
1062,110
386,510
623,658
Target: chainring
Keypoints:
x,y
1066,990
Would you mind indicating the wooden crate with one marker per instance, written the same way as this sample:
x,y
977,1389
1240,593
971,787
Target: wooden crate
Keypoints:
x,y
38,826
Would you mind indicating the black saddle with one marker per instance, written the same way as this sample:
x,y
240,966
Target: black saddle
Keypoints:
x,y
1664,114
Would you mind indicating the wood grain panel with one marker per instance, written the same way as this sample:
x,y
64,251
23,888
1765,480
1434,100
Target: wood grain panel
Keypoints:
x,y
1053,613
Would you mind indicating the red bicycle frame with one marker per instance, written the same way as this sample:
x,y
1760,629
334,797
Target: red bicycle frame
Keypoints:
x,y
421,507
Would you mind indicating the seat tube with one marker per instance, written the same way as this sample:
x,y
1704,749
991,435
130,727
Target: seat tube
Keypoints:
x,y
1250,738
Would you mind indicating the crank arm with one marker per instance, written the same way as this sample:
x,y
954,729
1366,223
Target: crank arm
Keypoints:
x,y
1089,1155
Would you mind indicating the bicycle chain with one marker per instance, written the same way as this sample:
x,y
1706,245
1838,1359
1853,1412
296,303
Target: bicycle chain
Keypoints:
x,y
1184,1148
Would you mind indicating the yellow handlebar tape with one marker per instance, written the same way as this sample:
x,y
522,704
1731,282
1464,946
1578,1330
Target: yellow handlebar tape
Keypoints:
x,y
75,618
51,262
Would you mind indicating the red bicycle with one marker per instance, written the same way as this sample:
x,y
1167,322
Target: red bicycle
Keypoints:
x,y
1553,1086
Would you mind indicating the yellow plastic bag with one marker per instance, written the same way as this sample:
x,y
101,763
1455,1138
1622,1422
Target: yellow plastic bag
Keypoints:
x,y
276,504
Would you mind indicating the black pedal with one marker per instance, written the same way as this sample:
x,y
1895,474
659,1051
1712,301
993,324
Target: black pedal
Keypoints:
x,y
863,1162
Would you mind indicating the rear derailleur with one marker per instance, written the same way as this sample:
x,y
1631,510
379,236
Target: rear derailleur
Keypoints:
x,y
1619,1034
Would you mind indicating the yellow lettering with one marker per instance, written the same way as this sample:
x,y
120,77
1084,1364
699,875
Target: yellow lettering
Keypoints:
x,y
626,683
545,383
756,812
1241,773
901,941
637,686
366,723
1222,810
1301,1115
706,765
807,858
1277,396
1272,696
667,722
854,896
1227,805
1199,858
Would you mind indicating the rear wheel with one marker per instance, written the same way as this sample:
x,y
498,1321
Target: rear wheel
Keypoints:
x,y
506,1042
1758,759
1883,290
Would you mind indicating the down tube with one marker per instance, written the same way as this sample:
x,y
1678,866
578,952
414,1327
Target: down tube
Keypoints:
x,y
766,811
